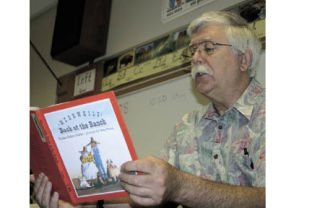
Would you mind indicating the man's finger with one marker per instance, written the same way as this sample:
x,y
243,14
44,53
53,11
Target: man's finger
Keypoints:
x,y
139,191
136,180
142,165
46,193
54,201
38,182
130,166
42,184
142,200
32,178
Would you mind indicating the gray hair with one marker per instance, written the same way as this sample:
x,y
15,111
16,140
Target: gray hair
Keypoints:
x,y
239,35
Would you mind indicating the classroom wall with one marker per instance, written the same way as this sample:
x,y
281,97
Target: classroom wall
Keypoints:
x,y
131,23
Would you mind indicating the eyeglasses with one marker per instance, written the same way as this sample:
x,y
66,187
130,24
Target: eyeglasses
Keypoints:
x,y
207,46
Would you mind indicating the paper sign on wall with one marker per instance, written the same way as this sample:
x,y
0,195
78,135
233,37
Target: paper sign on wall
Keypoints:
x,y
84,82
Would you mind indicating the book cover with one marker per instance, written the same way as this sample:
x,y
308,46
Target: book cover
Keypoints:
x,y
80,145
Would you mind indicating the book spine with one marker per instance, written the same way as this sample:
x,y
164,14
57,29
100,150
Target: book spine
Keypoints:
x,y
57,160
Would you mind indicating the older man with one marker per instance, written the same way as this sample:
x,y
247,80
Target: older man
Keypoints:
x,y
215,157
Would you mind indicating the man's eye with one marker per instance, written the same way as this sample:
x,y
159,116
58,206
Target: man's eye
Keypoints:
x,y
209,50
193,50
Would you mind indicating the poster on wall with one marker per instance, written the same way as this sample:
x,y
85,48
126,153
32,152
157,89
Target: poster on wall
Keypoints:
x,y
172,9
144,53
110,67
126,60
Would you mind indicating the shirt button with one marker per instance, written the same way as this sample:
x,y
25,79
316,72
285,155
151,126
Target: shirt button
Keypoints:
x,y
220,127
215,156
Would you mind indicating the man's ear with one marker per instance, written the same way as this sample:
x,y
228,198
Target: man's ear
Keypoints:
x,y
245,60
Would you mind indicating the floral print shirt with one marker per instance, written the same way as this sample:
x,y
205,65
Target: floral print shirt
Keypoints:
x,y
229,148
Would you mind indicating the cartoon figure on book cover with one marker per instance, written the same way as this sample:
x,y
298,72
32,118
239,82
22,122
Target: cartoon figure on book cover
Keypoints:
x,y
113,171
97,158
88,168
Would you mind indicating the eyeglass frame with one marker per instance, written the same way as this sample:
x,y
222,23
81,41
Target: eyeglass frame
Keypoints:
x,y
203,49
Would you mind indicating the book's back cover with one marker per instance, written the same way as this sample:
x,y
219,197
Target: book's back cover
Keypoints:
x,y
41,159
91,142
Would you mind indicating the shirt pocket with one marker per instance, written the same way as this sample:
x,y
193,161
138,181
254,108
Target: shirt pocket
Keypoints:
x,y
240,170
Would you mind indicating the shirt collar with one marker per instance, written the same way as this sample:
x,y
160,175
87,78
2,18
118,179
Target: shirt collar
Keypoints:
x,y
211,111
244,104
248,99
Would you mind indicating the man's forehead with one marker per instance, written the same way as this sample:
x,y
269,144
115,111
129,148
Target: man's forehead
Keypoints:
x,y
213,32
200,40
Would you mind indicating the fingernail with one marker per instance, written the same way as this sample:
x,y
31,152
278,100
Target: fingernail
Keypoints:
x,y
55,195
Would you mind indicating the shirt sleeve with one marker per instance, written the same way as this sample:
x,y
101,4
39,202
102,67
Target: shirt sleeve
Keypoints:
x,y
169,150
259,153
179,140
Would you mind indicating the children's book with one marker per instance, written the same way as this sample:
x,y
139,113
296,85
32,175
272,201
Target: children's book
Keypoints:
x,y
80,145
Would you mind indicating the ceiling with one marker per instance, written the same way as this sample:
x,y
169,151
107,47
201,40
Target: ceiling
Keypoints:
x,y
38,7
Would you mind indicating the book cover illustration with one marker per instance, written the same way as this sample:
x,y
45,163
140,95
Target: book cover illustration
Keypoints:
x,y
92,146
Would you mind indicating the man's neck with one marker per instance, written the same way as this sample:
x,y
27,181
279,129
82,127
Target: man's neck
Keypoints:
x,y
230,97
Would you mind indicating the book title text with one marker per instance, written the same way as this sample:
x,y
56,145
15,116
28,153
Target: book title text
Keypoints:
x,y
83,126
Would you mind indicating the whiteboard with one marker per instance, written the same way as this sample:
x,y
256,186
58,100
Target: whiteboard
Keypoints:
x,y
151,113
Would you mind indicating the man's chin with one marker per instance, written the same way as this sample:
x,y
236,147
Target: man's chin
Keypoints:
x,y
202,87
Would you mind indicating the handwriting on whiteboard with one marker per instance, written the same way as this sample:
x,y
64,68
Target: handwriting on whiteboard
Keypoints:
x,y
124,107
163,98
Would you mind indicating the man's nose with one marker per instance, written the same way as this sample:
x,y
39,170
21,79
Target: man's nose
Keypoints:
x,y
197,57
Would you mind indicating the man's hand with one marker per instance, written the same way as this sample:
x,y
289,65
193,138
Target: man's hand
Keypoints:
x,y
154,186
42,190
160,183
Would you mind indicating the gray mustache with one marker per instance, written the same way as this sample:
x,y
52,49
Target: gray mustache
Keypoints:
x,y
199,69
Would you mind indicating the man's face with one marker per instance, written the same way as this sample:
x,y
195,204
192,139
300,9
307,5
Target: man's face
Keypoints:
x,y
222,64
